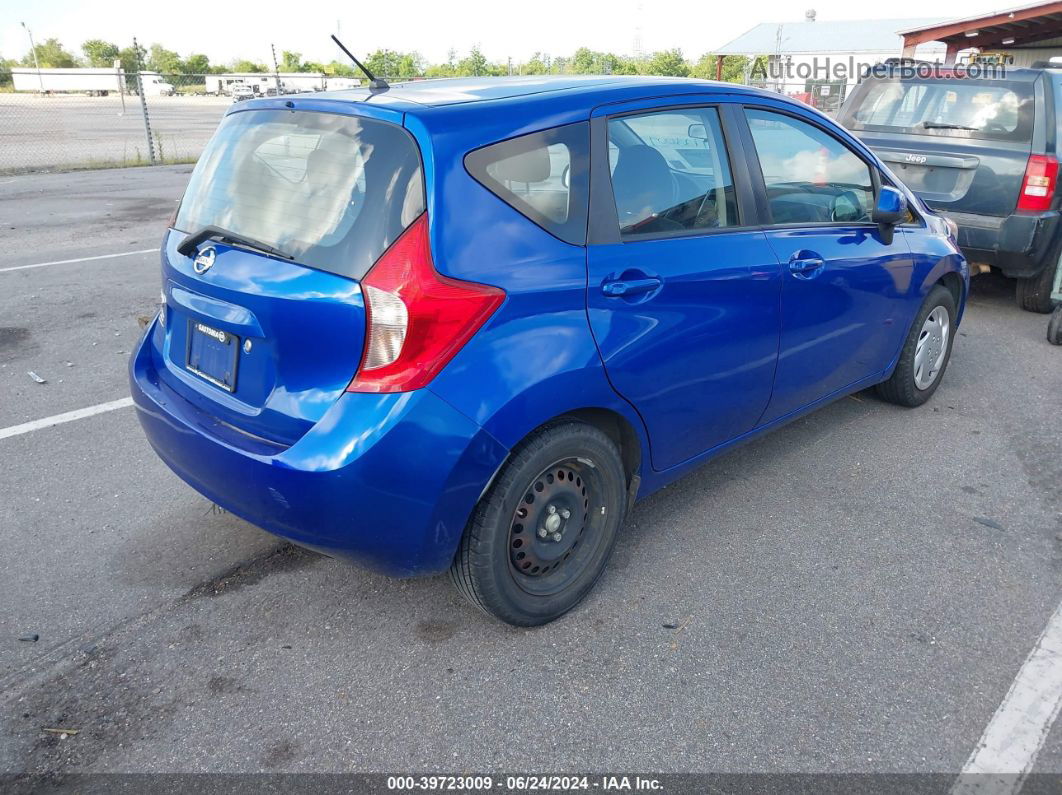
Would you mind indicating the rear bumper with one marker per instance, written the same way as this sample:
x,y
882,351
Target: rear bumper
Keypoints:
x,y
1019,245
385,480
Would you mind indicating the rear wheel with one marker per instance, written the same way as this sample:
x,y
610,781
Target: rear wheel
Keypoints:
x,y
1034,294
540,538
925,354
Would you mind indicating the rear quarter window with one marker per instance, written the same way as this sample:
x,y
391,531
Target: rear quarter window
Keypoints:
x,y
544,176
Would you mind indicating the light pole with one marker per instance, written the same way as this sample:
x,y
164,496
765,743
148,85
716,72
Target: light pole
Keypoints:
x,y
33,48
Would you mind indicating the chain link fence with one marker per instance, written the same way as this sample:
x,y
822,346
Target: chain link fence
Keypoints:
x,y
66,119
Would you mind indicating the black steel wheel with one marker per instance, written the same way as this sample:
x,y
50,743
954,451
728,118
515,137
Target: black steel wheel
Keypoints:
x,y
541,536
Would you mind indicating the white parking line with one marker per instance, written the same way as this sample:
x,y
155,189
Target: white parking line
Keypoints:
x,y
1008,748
79,259
70,416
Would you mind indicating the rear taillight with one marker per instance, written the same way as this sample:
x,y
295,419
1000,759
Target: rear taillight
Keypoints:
x,y
1038,187
416,319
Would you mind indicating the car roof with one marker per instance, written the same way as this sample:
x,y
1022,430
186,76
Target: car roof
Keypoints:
x,y
439,93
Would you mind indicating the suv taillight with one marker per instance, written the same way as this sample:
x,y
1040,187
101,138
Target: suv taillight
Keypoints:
x,y
416,319
1038,187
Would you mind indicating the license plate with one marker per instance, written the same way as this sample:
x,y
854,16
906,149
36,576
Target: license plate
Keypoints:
x,y
213,354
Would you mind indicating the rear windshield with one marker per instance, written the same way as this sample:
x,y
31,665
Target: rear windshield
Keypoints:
x,y
331,191
955,108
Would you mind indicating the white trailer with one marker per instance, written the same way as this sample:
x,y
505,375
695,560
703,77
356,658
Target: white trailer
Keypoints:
x,y
97,82
155,85
221,85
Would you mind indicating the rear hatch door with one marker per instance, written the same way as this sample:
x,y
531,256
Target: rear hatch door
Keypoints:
x,y
265,316
961,144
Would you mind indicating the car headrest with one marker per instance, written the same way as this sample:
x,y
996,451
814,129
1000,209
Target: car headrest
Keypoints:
x,y
530,166
642,179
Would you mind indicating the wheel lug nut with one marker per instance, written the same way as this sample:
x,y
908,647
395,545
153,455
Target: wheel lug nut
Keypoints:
x,y
551,509
542,532
556,536
566,514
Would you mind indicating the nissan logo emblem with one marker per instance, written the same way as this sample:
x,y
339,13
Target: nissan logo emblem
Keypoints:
x,y
204,260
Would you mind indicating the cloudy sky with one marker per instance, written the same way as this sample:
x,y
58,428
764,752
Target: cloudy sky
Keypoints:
x,y
228,30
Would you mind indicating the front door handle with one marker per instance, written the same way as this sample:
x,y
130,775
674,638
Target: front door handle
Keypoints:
x,y
805,266
618,287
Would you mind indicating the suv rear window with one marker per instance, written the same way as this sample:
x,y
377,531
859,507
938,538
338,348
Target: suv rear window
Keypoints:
x,y
955,108
332,191
543,176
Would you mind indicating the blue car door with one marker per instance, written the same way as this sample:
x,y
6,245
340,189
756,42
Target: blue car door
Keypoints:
x,y
842,305
683,286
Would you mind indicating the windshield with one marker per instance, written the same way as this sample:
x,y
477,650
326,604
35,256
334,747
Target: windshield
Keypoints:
x,y
331,191
963,108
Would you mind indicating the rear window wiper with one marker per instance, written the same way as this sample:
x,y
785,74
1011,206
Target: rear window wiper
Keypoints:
x,y
189,244
940,125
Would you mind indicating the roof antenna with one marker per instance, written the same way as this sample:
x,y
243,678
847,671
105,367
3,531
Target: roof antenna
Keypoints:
x,y
375,83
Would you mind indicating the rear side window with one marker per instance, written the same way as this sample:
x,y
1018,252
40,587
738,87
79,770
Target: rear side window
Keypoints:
x,y
810,176
332,191
543,176
957,108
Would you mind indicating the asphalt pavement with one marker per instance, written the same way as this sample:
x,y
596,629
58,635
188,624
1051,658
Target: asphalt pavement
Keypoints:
x,y
855,592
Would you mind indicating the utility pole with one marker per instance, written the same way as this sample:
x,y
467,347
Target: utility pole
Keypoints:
x,y
276,66
143,102
36,63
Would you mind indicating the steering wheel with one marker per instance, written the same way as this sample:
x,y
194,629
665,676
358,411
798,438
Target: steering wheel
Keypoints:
x,y
855,211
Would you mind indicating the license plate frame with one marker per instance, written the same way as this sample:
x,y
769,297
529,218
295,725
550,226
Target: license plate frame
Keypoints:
x,y
213,355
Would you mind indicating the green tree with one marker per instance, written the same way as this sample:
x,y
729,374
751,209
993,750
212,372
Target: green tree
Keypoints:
x,y
538,65
388,63
475,64
448,69
667,63
100,53
50,55
195,64
590,62
130,64
243,65
162,60
734,67
5,71
291,61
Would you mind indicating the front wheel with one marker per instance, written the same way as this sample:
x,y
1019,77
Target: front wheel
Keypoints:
x,y
539,539
925,354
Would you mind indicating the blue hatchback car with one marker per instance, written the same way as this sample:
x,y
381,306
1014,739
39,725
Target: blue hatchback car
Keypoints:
x,y
464,324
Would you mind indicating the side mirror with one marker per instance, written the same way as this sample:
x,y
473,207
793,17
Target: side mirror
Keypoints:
x,y
890,210
698,131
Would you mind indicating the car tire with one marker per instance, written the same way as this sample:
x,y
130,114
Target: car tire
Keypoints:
x,y
1054,327
925,355
540,537
1034,293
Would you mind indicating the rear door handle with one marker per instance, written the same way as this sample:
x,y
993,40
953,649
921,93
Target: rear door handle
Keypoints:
x,y
620,287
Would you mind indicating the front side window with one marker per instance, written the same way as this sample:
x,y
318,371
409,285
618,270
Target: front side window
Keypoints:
x,y
810,176
542,175
670,173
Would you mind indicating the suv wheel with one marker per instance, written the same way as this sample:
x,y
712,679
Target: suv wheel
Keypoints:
x,y
540,538
1034,294
925,353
